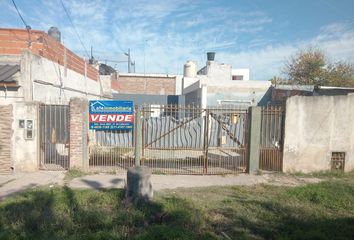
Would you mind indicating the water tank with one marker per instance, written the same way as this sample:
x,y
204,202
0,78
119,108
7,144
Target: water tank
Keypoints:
x,y
210,56
54,33
190,69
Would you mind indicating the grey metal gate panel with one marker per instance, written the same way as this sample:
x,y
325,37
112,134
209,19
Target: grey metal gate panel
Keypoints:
x,y
272,135
178,140
194,140
111,150
54,137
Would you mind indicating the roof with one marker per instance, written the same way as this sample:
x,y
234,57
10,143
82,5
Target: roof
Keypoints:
x,y
308,88
334,88
7,72
151,75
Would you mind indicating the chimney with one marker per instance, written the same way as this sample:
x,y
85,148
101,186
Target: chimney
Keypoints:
x,y
210,56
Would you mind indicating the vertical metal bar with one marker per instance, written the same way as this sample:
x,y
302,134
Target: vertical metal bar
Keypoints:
x,y
206,147
143,135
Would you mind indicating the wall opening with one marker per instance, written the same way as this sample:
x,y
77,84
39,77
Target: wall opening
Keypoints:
x,y
338,161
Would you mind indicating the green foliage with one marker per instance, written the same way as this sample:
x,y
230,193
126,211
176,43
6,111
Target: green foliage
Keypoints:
x,y
311,67
73,173
327,194
62,213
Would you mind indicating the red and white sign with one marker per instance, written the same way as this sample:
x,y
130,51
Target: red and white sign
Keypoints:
x,y
111,118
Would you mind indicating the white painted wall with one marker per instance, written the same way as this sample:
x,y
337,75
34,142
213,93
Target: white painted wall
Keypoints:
x,y
237,92
44,70
40,80
229,92
179,83
25,151
218,71
314,128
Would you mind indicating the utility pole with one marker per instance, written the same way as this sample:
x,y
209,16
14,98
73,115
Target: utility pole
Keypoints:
x,y
133,64
129,60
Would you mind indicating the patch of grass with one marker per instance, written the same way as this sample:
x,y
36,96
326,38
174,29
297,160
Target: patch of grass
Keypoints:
x,y
330,174
73,173
158,172
316,211
325,174
336,195
63,213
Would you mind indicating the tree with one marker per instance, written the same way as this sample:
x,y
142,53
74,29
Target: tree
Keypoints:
x,y
340,74
277,80
311,67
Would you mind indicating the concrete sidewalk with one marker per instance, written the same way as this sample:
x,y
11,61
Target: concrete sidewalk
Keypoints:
x,y
10,184
160,182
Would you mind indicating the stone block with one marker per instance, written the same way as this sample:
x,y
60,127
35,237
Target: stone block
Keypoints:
x,y
139,185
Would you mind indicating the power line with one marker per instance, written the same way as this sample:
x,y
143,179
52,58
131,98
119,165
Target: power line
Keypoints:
x,y
77,34
19,14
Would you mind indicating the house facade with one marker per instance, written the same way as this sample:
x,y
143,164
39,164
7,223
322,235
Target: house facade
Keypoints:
x,y
36,69
34,66
219,84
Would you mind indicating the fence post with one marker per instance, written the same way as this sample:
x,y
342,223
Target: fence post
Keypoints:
x,y
138,137
254,139
78,139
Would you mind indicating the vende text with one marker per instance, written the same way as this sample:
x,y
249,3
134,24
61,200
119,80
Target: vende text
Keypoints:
x,y
111,118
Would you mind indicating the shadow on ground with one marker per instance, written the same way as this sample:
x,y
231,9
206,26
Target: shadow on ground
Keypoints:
x,y
235,212
63,213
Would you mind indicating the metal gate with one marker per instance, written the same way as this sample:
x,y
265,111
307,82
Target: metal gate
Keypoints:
x,y
54,137
193,140
111,150
272,136
177,140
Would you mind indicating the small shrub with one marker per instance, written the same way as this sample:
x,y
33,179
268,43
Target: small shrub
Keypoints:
x,y
74,173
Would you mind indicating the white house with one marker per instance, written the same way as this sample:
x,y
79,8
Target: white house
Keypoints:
x,y
219,84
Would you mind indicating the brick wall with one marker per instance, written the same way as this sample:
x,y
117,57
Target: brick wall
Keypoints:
x,y
146,85
5,139
13,41
78,133
114,82
281,95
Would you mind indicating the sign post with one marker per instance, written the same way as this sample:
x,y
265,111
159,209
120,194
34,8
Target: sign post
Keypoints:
x,y
138,139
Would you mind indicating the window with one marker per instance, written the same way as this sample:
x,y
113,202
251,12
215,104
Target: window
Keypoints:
x,y
237,77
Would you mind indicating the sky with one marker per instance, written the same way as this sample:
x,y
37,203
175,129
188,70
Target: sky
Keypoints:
x,y
163,34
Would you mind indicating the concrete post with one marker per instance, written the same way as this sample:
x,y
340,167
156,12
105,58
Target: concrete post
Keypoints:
x,y
138,138
139,185
254,139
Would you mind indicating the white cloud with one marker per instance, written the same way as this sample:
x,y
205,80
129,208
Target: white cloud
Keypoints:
x,y
336,40
168,33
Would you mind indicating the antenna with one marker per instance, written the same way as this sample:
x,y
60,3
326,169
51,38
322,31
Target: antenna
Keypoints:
x,y
91,58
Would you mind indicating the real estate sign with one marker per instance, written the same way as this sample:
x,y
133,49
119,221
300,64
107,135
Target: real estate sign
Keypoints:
x,y
111,115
